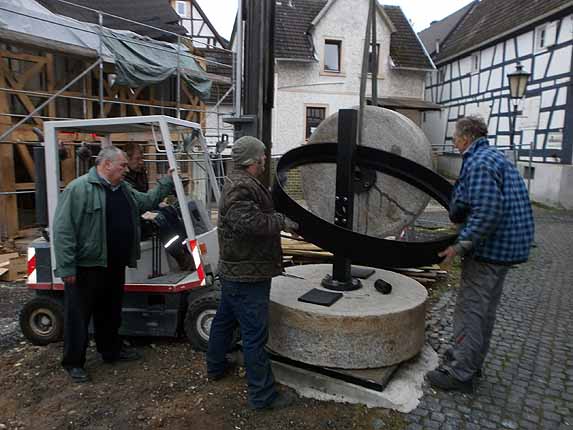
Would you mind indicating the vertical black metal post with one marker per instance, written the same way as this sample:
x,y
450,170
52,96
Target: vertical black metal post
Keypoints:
x,y
259,70
514,119
374,71
341,279
41,196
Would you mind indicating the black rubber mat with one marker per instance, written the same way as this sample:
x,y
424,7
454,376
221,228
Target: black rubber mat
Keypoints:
x,y
320,297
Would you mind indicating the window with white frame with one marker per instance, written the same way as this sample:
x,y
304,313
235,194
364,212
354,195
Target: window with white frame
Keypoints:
x,y
332,56
182,8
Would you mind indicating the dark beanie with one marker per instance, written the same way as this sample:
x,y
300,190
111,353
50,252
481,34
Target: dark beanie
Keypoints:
x,y
247,150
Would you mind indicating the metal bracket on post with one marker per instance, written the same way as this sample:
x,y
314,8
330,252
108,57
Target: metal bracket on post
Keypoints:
x,y
341,279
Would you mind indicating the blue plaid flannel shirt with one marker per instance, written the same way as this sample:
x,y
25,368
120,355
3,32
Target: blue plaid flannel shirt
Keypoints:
x,y
491,202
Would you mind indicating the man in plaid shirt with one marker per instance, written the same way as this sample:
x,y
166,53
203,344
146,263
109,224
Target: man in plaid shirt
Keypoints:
x,y
491,204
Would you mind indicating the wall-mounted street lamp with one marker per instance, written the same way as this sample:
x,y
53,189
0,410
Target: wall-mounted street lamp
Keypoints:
x,y
517,86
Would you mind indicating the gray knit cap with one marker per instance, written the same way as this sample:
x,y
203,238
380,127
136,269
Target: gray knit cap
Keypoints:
x,y
247,150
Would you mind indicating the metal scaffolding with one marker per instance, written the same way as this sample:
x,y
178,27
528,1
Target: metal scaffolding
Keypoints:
x,y
11,89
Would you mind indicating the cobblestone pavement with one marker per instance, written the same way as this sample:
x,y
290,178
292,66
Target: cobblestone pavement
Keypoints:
x,y
528,374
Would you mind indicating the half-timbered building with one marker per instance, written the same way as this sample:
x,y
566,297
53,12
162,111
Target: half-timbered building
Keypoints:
x,y
473,61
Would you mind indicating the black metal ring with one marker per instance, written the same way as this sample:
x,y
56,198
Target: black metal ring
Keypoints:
x,y
360,248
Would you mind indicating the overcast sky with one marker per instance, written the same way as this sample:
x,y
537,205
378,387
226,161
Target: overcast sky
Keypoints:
x,y
221,13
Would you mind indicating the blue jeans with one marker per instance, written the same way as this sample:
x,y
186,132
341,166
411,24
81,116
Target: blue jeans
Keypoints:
x,y
248,304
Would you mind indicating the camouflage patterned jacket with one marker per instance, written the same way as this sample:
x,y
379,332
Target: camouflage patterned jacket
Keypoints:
x,y
249,231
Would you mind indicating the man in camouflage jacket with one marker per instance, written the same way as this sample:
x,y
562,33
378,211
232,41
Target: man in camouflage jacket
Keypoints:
x,y
250,255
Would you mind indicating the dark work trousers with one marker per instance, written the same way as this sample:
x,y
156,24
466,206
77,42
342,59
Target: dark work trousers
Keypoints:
x,y
474,315
98,292
248,304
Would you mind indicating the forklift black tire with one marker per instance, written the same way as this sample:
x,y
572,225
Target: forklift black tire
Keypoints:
x,y
42,320
200,314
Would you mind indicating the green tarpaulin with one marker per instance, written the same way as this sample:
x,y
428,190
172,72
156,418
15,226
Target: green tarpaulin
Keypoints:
x,y
141,61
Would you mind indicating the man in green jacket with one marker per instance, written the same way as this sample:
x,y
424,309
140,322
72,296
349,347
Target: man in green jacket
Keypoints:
x,y
96,233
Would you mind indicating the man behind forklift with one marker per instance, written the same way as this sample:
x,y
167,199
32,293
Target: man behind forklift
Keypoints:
x,y
96,235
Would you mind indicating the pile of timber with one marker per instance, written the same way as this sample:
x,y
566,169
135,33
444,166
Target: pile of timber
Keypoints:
x,y
13,267
298,251
424,274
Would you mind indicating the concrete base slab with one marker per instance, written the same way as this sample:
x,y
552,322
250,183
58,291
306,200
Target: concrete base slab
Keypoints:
x,y
374,379
402,394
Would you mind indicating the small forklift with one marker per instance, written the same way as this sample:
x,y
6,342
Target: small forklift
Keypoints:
x,y
162,296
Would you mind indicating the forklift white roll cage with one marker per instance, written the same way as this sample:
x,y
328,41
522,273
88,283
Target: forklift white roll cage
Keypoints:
x,y
106,127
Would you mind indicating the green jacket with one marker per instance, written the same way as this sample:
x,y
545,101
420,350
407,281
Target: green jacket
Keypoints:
x,y
79,230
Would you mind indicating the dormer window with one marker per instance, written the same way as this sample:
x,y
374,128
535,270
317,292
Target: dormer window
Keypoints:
x,y
182,8
332,56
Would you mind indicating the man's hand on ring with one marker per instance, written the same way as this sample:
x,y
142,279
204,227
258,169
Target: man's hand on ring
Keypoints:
x,y
449,253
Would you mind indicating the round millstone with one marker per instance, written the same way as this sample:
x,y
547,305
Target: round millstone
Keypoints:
x,y
363,329
391,204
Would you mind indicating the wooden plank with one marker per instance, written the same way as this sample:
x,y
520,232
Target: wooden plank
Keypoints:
x,y
27,160
51,82
111,92
24,99
21,56
423,280
150,153
69,165
8,203
29,73
123,97
17,268
88,104
5,258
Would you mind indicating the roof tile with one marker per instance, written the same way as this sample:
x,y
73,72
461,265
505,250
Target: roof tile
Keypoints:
x,y
405,48
491,18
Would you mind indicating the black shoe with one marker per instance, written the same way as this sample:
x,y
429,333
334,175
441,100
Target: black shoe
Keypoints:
x,y
218,376
124,355
441,378
282,400
449,357
78,374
